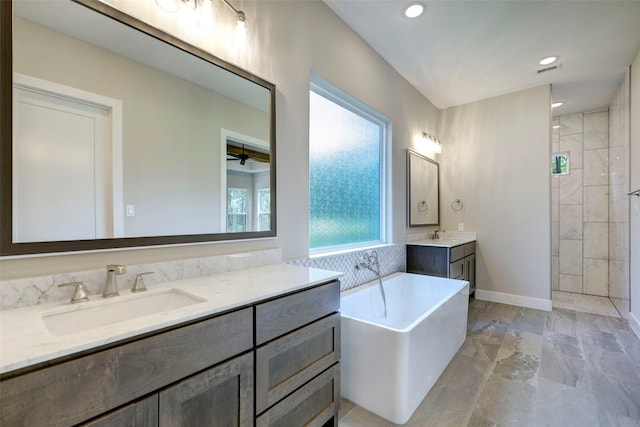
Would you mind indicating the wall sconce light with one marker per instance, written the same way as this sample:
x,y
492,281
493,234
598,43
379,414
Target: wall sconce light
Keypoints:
x,y
432,143
207,18
240,34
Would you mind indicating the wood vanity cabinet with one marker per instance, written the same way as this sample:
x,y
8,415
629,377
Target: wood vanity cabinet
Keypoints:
x,y
211,372
218,397
297,369
457,262
143,413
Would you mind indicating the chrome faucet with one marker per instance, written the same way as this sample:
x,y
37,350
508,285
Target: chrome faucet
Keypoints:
x,y
79,293
111,287
369,260
436,234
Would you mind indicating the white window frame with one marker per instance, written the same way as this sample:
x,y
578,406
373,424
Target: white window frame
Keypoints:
x,y
259,195
325,89
245,213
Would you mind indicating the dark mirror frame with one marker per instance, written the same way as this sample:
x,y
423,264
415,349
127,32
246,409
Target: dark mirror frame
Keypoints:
x,y
417,157
7,247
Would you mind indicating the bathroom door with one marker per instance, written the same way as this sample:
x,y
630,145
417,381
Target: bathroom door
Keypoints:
x,y
61,170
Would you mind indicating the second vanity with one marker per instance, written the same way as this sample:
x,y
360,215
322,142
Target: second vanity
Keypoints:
x,y
261,347
454,258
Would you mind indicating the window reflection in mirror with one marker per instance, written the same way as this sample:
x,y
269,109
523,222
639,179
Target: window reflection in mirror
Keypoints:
x,y
560,164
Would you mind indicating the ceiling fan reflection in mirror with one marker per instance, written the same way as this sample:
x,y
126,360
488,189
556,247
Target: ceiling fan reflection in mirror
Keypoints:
x,y
241,153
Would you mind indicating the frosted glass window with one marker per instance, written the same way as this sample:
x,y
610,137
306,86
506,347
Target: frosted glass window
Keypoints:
x,y
345,175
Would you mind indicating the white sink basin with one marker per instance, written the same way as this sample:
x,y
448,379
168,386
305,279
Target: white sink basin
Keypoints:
x,y
95,314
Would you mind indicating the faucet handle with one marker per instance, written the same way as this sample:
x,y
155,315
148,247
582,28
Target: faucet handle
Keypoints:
x,y
79,294
138,285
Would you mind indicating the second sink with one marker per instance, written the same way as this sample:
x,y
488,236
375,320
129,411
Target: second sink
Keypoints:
x,y
78,318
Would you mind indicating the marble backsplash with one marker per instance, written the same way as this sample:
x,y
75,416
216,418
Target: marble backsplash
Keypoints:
x,y
392,259
40,290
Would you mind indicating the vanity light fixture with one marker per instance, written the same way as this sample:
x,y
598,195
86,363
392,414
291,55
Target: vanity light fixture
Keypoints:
x,y
432,143
548,60
556,126
207,20
168,5
239,39
557,104
414,10
240,34
207,17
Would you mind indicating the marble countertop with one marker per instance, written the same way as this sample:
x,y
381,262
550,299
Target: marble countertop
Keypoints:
x,y
443,242
448,239
25,340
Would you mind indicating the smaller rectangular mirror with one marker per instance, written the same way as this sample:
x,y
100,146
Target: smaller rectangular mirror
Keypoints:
x,y
423,198
560,164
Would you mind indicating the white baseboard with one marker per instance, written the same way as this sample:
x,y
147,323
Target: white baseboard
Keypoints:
x,y
519,300
634,323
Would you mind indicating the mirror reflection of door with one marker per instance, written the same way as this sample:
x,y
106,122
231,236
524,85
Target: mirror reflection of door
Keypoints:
x,y
246,183
62,164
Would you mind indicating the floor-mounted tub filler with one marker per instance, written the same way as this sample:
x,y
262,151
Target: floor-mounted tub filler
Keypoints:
x,y
388,365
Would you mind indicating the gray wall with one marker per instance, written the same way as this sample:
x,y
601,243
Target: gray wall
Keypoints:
x,y
496,160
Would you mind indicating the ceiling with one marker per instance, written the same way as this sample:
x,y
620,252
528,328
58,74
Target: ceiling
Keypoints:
x,y
463,51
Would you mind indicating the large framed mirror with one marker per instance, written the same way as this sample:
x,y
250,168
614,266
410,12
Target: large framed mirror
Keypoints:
x,y
116,134
423,190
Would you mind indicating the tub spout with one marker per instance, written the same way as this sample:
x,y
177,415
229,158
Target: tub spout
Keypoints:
x,y
370,261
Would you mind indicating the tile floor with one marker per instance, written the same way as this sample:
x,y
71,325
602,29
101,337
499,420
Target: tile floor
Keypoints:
x,y
526,367
585,303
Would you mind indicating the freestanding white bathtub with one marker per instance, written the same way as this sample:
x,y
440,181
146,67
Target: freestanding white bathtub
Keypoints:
x,y
389,365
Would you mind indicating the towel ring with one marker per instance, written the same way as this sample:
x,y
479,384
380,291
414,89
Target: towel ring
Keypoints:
x,y
457,205
422,206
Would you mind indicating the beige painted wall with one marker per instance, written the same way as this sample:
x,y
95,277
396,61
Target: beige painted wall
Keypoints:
x,y
634,217
496,160
287,40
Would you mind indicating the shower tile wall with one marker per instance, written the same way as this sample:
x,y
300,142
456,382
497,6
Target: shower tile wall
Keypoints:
x,y
580,205
618,199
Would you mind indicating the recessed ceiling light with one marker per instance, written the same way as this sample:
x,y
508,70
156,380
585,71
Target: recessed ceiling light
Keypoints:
x,y
557,104
548,60
414,10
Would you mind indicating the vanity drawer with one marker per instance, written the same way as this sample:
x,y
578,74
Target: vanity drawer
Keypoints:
x,y
287,363
456,269
94,384
457,252
470,249
311,406
283,315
